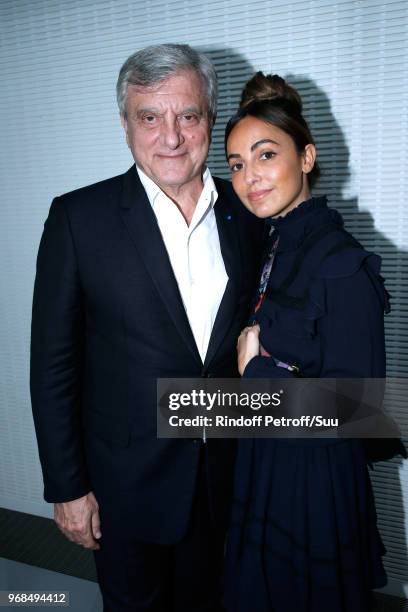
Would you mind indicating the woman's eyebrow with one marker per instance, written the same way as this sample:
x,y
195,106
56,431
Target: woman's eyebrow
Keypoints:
x,y
233,155
256,144
263,141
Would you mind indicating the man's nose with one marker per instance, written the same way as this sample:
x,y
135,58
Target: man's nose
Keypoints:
x,y
172,135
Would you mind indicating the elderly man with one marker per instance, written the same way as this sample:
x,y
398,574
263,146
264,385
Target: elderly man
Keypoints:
x,y
141,276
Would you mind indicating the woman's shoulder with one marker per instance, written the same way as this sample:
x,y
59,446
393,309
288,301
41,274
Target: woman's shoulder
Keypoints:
x,y
345,256
347,259
322,247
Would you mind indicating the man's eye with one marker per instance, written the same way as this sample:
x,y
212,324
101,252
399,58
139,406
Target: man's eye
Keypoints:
x,y
236,167
267,155
149,119
189,119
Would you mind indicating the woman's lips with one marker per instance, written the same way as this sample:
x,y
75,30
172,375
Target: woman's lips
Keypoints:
x,y
254,196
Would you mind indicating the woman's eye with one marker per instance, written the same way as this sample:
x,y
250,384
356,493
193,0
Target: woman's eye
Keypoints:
x,y
267,155
236,167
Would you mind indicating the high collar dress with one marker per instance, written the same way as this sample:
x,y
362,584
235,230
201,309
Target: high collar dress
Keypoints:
x,y
303,532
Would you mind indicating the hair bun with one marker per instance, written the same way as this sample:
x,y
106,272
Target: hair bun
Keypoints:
x,y
269,87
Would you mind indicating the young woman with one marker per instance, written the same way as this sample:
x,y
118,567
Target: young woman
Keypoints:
x,y
303,534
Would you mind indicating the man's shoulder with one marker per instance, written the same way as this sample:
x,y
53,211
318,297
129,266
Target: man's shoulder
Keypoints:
x,y
103,191
95,190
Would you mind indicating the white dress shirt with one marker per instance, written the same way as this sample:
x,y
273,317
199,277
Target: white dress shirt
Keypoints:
x,y
195,255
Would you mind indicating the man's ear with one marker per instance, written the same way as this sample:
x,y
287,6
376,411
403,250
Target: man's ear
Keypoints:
x,y
211,123
123,122
308,158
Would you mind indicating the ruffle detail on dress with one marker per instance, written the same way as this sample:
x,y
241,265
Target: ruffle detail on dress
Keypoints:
x,y
316,304
311,205
383,293
296,322
348,262
298,319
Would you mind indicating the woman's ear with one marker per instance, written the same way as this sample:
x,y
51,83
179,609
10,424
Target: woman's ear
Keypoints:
x,y
308,158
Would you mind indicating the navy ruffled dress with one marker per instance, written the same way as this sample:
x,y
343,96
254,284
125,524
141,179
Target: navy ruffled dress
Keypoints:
x,y
303,534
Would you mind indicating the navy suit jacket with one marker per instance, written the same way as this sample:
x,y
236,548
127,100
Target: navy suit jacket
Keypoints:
x,y
108,320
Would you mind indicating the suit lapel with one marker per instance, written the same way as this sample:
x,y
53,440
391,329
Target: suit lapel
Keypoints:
x,y
228,234
144,231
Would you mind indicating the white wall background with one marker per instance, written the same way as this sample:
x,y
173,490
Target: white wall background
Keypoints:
x,y
60,130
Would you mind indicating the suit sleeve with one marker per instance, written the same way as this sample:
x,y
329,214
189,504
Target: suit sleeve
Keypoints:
x,y
57,341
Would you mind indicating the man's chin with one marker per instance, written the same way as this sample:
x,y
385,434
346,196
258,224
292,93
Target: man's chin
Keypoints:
x,y
176,179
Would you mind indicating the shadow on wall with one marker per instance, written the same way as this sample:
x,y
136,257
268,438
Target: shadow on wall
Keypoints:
x,y
233,71
333,155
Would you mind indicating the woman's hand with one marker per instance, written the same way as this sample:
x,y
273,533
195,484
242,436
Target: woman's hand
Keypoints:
x,y
247,346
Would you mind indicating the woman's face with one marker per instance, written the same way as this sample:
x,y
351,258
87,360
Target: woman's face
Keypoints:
x,y
268,173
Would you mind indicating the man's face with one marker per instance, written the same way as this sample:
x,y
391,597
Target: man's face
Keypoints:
x,y
168,131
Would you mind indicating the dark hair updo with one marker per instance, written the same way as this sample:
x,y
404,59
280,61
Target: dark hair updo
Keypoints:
x,y
270,99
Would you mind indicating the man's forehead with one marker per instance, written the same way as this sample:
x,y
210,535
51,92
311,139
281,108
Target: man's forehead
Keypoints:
x,y
186,84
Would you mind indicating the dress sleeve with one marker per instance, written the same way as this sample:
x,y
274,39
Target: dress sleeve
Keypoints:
x,y
264,367
352,331
345,308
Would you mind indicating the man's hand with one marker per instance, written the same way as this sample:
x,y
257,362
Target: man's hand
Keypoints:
x,y
79,520
248,346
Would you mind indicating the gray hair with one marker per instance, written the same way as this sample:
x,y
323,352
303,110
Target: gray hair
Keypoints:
x,y
154,64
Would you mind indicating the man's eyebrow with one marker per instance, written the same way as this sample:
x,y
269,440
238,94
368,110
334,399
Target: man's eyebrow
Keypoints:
x,y
256,144
193,109
157,111
140,111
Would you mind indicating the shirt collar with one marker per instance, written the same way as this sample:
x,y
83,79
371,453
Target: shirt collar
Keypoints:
x,y
209,193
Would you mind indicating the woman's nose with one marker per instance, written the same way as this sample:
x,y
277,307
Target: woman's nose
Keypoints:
x,y
251,174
